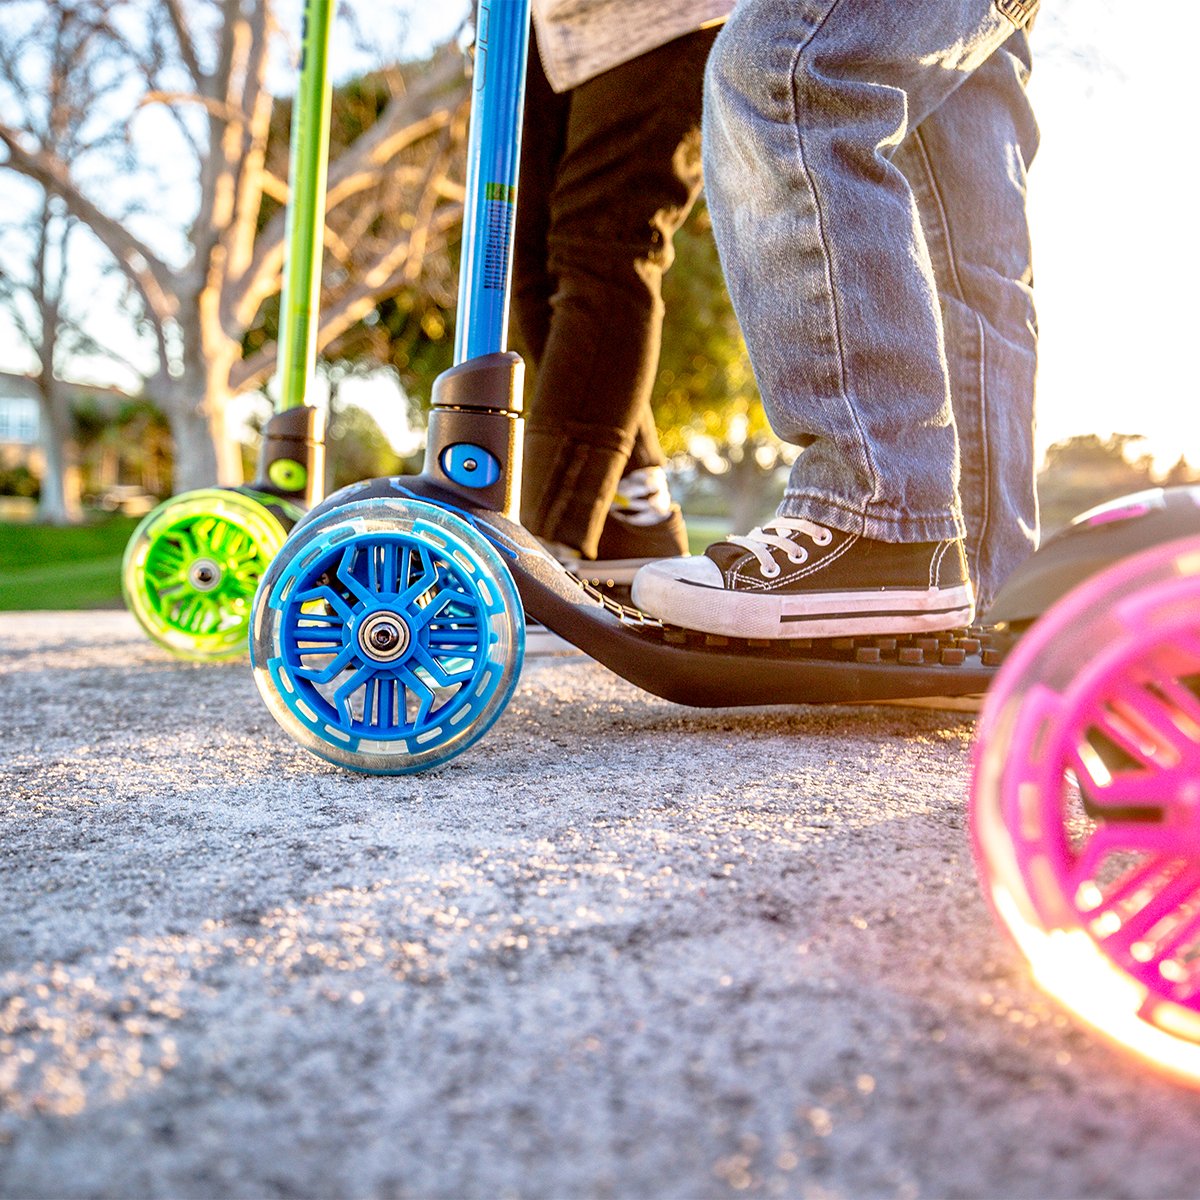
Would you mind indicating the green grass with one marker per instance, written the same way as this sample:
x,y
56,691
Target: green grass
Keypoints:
x,y
703,531
76,566
79,566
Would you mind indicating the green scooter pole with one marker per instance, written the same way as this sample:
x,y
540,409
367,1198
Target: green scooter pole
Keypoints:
x,y
192,566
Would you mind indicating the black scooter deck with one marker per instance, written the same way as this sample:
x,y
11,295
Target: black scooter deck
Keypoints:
x,y
704,670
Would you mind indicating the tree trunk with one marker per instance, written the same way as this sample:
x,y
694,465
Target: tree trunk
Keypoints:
x,y
59,502
195,453
197,406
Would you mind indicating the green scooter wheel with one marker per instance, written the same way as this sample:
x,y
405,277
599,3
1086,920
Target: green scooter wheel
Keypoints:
x,y
191,569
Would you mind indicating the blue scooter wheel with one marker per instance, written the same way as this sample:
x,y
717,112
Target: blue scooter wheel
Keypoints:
x,y
387,636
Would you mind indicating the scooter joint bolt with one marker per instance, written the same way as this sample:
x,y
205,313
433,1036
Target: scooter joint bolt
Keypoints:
x,y
204,574
383,636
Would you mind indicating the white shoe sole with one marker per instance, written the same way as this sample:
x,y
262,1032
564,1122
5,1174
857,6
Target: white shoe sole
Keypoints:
x,y
825,615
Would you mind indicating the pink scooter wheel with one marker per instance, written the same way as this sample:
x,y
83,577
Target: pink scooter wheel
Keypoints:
x,y
1085,803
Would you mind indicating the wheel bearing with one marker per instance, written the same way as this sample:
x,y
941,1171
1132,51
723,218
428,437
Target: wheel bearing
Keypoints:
x,y
205,575
384,636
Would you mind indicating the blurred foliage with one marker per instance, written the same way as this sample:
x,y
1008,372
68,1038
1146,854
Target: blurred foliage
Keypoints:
x,y
129,446
1087,470
357,448
706,402
412,332
19,481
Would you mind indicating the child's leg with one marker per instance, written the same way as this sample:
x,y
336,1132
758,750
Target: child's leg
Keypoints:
x,y
543,137
832,280
624,183
966,163
822,245
542,146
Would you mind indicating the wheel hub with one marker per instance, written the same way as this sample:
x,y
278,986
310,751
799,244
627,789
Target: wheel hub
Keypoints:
x,y
204,574
384,636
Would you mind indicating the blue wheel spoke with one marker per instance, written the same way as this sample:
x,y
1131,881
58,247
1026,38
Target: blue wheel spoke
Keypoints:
x,y
330,671
436,608
437,670
329,596
438,636
331,637
370,695
387,701
423,693
341,697
427,579
345,572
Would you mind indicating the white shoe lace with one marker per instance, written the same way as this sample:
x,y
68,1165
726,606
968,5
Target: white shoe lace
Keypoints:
x,y
643,497
780,534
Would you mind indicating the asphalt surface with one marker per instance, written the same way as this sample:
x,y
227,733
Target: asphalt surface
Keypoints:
x,y
618,949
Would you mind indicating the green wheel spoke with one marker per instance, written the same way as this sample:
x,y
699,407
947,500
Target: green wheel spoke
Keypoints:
x,y
200,613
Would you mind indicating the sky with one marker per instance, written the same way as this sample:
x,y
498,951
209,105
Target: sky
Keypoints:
x,y
1116,249
1113,212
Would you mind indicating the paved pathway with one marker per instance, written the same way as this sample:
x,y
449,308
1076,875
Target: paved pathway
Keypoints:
x,y
618,949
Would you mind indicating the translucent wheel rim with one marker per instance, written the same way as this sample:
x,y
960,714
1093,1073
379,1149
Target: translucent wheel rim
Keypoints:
x,y
388,636
1086,804
191,569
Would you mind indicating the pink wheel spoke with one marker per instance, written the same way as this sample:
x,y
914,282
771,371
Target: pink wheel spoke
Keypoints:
x,y
1125,735
1141,789
1186,702
1121,837
1155,717
1167,898
1187,931
1129,883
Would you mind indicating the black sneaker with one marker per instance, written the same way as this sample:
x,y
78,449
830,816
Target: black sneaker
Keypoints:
x,y
642,525
795,578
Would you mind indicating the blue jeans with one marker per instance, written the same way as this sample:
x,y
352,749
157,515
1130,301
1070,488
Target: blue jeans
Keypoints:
x,y
865,170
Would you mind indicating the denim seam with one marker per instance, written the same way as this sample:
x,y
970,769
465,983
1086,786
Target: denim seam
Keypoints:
x,y
936,193
985,464
893,524
831,294
985,513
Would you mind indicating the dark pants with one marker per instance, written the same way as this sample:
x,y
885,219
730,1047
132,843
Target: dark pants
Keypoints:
x,y
609,171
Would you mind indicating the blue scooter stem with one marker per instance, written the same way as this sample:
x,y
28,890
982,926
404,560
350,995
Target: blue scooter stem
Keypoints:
x,y
493,157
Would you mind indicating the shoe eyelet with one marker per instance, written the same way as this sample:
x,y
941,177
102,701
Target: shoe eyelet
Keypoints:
x,y
797,559
770,574
823,538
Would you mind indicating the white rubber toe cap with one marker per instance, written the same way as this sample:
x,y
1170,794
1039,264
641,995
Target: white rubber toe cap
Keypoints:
x,y
678,590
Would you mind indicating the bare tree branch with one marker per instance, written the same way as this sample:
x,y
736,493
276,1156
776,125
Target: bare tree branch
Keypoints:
x,y
406,120
384,278
185,41
152,277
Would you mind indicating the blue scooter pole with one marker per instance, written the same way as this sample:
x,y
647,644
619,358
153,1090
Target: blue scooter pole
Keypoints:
x,y
475,432
493,156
